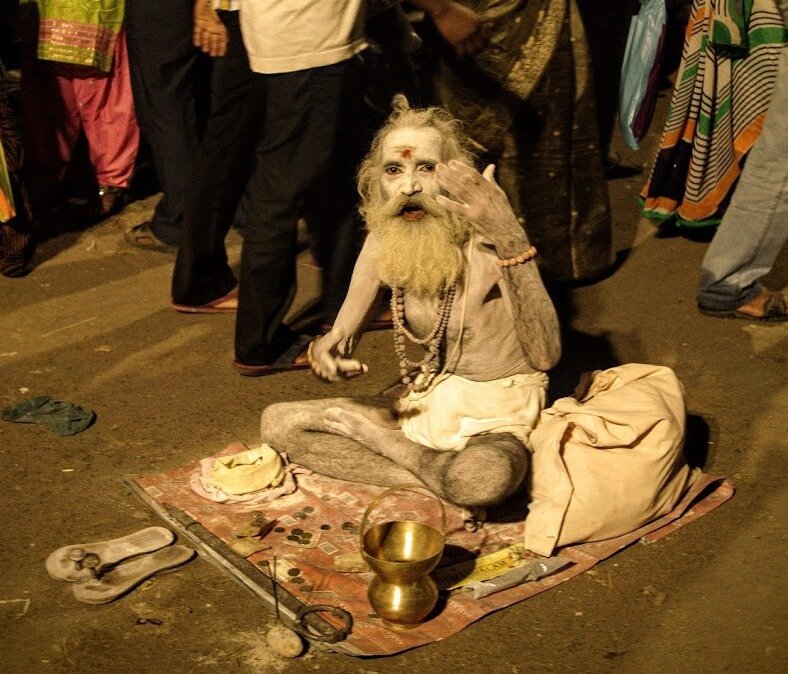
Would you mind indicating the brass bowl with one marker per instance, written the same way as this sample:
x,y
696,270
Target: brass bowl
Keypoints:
x,y
402,551
402,554
403,607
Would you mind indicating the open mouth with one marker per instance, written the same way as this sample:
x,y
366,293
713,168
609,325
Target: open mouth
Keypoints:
x,y
411,212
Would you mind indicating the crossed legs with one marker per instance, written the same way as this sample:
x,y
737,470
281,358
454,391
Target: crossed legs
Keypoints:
x,y
360,440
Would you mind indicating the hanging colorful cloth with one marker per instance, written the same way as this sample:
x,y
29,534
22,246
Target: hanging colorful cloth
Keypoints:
x,y
82,32
722,92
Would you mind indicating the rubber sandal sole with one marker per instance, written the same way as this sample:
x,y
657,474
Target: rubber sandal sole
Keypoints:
x,y
61,567
292,359
209,307
741,316
125,577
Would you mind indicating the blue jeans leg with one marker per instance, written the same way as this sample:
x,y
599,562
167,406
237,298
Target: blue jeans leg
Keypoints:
x,y
755,226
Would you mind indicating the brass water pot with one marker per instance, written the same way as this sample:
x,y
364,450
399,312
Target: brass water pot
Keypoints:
x,y
402,554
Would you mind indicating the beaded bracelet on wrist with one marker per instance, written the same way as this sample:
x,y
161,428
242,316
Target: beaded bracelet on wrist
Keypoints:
x,y
526,255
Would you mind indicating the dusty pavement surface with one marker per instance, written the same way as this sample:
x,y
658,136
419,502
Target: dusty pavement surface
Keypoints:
x,y
92,324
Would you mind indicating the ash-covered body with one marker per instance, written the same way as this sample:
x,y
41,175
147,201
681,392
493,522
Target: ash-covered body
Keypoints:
x,y
438,229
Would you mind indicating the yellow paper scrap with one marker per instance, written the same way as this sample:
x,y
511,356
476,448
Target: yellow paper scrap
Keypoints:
x,y
482,568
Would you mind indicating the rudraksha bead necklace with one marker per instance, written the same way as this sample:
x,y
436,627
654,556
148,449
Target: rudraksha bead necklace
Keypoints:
x,y
432,342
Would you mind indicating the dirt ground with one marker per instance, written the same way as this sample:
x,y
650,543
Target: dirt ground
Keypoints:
x,y
92,324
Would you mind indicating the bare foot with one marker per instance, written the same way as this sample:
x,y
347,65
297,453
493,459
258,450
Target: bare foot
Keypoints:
x,y
768,306
353,425
473,517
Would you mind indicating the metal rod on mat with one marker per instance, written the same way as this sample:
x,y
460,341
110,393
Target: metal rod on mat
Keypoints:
x,y
245,567
273,577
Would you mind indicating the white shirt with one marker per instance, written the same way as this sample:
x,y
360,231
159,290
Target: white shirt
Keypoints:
x,y
284,36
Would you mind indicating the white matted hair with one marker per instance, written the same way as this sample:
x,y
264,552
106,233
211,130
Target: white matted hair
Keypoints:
x,y
455,143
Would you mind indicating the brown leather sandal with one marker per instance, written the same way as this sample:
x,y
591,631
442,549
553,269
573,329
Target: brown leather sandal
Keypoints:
x,y
775,309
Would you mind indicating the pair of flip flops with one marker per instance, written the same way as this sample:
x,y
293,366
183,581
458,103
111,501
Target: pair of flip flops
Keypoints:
x,y
103,571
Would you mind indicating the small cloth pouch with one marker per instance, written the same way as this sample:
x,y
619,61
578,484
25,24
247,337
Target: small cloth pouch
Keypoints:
x,y
246,472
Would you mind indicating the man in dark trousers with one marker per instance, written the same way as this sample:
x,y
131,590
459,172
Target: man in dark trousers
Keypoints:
x,y
203,281
301,89
164,65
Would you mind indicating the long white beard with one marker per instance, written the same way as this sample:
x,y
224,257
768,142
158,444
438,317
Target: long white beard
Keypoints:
x,y
422,256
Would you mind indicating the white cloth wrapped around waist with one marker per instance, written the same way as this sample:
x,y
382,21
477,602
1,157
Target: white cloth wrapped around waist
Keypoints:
x,y
456,409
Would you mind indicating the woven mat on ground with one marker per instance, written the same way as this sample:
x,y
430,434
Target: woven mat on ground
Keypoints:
x,y
319,523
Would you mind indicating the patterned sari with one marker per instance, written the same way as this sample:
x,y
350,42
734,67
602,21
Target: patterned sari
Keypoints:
x,y
527,102
724,85
15,232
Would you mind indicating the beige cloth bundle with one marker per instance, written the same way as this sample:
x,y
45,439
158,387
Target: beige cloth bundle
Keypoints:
x,y
609,462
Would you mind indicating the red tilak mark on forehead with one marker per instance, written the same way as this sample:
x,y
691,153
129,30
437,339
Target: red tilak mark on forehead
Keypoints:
x,y
407,153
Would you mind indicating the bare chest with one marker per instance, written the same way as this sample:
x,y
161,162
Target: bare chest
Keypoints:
x,y
481,321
